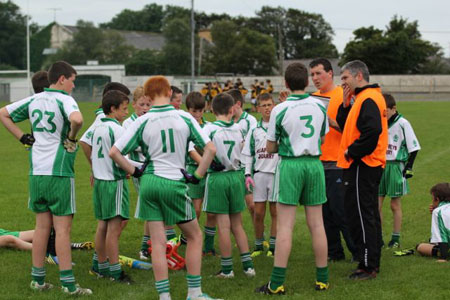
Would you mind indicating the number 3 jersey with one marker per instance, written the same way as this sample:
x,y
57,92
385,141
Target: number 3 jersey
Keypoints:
x,y
228,139
163,134
49,114
298,125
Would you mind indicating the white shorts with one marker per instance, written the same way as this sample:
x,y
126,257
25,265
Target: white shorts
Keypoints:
x,y
263,187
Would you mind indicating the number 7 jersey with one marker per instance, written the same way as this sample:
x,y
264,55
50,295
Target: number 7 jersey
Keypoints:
x,y
298,125
49,114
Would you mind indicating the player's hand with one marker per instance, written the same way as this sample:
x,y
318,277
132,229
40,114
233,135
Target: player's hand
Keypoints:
x,y
249,182
431,208
217,166
28,140
70,145
190,178
348,94
283,96
138,172
408,173
91,179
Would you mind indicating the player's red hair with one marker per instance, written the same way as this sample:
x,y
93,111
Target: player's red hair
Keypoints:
x,y
157,86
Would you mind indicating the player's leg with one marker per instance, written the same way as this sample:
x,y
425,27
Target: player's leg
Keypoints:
x,y
260,213
224,228
396,207
14,242
100,265
251,206
26,236
41,234
112,248
159,261
426,249
241,240
210,233
198,206
273,228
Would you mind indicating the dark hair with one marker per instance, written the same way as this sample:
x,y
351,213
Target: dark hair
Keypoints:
x,y
263,97
321,61
58,69
356,66
40,81
441,191
113,98
296,77
390,101
195,100
222,103
236,95
175,90
116,86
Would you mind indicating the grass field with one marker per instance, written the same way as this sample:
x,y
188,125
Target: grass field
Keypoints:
x,y
410,277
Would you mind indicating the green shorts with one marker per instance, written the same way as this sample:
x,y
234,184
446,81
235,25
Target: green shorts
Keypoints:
x,y
195,191
225,192
7,232
52,193
392,183
111,199
300,180
163,199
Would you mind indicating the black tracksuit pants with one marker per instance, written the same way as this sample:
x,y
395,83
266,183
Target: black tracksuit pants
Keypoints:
x,y
361,209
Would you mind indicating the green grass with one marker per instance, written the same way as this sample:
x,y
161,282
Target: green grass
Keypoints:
x,y
410,277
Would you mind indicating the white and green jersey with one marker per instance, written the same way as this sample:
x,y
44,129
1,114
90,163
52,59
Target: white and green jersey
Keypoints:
x,y
402,140
87,135
246,122
137,154
49,114
257,157
189,160
297,125
163,134
229,140
440,223
106,133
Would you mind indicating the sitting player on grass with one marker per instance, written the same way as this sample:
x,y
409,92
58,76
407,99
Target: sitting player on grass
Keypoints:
x,y
296,130
111,203
21,240
400,155
225,190
262,165
195,104
164,133
440,224
56,121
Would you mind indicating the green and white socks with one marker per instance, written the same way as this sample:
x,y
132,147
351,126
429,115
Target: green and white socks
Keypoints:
x,y
194,287
210,232
67,280
144,244
38,275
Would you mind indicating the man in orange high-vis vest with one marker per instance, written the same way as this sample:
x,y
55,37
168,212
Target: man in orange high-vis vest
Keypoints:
x,y
333,210
362,154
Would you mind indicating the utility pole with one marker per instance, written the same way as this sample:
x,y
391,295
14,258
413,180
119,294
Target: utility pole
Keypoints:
x,y
55,9
28,48
280,47
192,46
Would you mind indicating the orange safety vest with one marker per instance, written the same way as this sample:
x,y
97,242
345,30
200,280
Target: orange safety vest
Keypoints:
x,y
332,142
351,133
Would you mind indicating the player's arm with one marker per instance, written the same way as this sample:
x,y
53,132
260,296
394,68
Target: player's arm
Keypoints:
x,y
9,124
272,147
121,160
76,122
87,150
195,156
209,151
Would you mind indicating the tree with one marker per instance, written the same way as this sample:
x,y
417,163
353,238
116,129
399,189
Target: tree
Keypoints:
x,y
145,62
38,42
150,18
177,49
12,36
397,50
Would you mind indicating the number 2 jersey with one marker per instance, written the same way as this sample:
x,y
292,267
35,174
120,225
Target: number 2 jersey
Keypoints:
x,y
163,134
298,125
49,114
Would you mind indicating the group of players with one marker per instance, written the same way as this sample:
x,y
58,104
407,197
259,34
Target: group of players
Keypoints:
x,y
182,165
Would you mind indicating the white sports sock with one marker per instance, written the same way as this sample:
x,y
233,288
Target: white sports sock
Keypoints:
x,y
164,296
194,292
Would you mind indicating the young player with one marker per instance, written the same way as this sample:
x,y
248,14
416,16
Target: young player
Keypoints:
x,y
55,120
246,122
111,204
225,190
164,133
400,155
295,131
40,81
141,104
21,240
262,165
195,103
440,224
177,97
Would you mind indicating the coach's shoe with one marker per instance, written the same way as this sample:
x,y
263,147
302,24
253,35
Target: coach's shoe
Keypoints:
x,y
144,255
256,253
271,253
393,245
82,246
51,259
78,291
221,274
360,274
34,285
266,290
250,272
202,297
321,286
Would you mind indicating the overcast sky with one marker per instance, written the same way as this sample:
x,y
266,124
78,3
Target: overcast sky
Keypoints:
x,y
344,16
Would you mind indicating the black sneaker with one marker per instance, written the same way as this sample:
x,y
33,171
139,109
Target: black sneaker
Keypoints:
x,y
266,290
123,278
360,274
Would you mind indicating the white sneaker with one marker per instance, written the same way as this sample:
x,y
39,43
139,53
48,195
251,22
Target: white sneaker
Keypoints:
x,y
223,275
250,272
202,297
34,285
78,291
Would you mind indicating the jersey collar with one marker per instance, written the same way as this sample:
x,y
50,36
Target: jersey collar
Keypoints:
x,y
56,91
296,97
392,120
260,125
223,123
110,120
98,111
243,116
161,108
134,116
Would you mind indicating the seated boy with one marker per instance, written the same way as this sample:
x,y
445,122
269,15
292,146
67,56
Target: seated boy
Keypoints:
x,y
400,155
225,190
262,165
440,224
164,133
21,240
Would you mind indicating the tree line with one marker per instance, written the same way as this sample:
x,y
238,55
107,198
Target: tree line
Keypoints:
x,y
243,45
